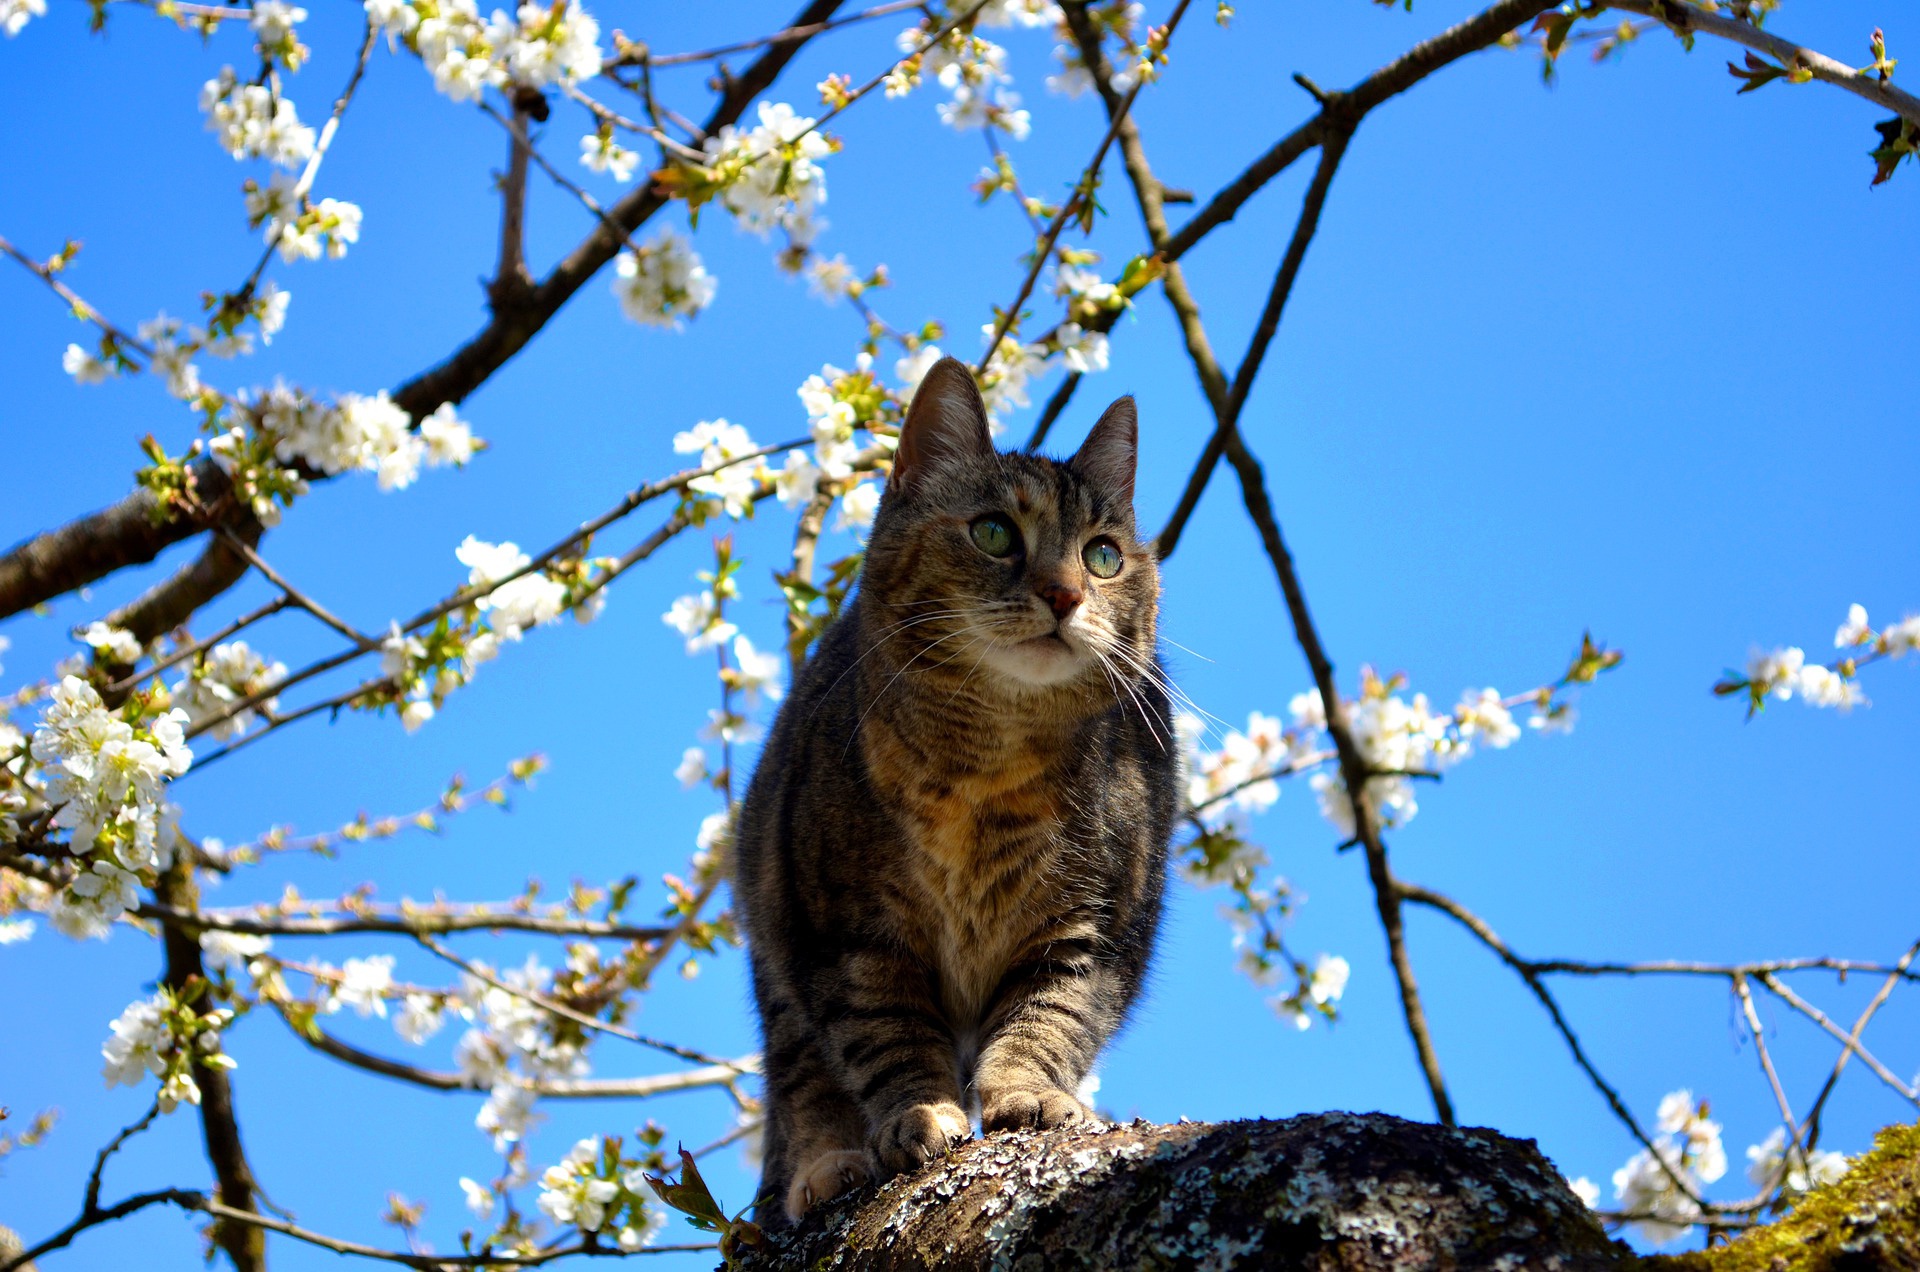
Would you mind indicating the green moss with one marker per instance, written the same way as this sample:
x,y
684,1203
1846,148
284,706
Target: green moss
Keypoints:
x,y
1868,1219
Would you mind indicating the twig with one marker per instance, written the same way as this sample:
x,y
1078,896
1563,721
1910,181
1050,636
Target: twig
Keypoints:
x,y
80,307
1745,995
93,1218
184,652
293,593
91,1205
1850,1043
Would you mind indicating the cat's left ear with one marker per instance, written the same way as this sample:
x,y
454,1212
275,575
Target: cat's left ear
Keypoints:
x,y
1107,458
946,422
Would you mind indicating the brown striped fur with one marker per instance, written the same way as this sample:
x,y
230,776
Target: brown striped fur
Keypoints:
x,y
951,859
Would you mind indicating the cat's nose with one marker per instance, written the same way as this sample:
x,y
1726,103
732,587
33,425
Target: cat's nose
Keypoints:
x,y
1062,597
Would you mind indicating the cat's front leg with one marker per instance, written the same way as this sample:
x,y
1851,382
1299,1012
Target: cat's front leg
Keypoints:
x,y
1051,1014
896,1056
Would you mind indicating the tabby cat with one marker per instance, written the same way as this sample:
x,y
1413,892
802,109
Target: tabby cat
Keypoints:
x,y
951,860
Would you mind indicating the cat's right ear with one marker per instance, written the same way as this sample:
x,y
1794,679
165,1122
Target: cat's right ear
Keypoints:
x,y
946,422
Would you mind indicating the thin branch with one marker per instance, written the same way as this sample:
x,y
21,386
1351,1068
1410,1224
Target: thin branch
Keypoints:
x,y
560,1009
94,1218
1529,973
1850,1043
434,1262
169,604
639,1088
1476,33
193,648
1745,995
410,923
511,278
1331,150
1684,17
91,1205
1052,412
81,309
294,594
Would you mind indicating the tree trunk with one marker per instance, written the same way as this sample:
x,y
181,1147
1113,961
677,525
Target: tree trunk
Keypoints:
x,y
1333,1192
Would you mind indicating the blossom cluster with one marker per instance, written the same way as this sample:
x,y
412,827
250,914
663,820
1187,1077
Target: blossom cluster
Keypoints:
x,y
972,68
104,775
536,46
1657,1188
253,121
1785,672
769,176
355,432
662,283
171,344
1399,738
595,1189
220,677
166,1036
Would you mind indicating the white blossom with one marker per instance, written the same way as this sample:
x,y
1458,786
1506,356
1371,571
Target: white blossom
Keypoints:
x,y
830,279
448,439
796,481
479,1198
698,618
364,985
14,931
1822,687
419,1018
1773,1164
913,368
81,365
115,644
717,442
663,283
1586,1190
756,673
1775,673
252,121
226,674
692,769
1855,630
601,153
14,14
545,45
858,506
772,174
231,952
1082,351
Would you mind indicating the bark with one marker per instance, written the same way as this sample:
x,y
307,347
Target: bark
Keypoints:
x,y
1330,1191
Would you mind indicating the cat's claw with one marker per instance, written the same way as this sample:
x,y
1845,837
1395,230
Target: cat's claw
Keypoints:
x,y
826,1177
918,1134
1030,1110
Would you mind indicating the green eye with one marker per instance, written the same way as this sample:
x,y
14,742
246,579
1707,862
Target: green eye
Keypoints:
x,y
993,536
1103,558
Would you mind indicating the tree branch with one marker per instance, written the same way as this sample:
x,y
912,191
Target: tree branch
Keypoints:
x,y
138,528
1684,17
220,1128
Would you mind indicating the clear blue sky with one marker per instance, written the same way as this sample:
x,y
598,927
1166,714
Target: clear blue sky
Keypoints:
x,y
1629,353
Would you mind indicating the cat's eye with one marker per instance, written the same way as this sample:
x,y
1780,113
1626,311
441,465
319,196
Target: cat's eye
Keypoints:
x,y
1103,558
994,536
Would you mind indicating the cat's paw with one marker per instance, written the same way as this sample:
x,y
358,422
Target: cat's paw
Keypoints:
x,y
919,1133
826,1176
1041,1109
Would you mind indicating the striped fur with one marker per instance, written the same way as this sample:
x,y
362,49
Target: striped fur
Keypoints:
x,y
950,862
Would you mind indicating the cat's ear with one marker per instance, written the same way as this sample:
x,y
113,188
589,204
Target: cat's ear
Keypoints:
x,y
1107,458
947,421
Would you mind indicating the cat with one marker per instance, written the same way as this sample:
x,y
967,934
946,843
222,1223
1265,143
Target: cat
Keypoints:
x,y
950,863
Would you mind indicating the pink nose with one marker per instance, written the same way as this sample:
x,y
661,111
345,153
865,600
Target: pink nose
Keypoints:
x,y
1062,597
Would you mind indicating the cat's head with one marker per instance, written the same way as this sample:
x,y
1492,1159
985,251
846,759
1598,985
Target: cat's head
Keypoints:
x,y
1024,570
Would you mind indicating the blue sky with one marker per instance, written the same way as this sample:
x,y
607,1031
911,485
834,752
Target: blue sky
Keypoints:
x,y
1625,354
